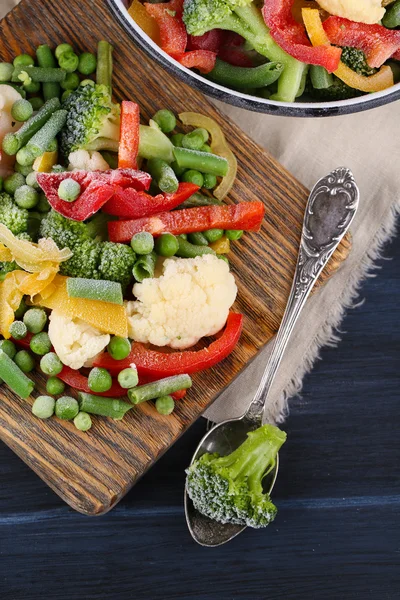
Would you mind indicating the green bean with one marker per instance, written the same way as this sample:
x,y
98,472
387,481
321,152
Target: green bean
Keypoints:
x,y
198,239
82,421
144,266
391,18
67,408
156,389
166,120
38,144
12,142
46,60
320,78
198,199
95,289
43,407
100,405
104,64
201,161
179,171
163,175
12,375
188,250
177,138
245,77
111,158
6,71
39,74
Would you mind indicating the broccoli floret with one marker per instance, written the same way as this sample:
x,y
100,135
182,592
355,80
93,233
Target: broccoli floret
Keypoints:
x,y
337,91
245,18
355,59
12,216
65,232
92,120
84,262
229,488
116,262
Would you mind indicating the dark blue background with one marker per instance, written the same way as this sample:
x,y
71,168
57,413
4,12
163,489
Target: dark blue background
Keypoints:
x,y
337,534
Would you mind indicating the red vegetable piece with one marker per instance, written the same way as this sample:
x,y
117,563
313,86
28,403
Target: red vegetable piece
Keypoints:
x,y
168,16
79,382
131,204
129,135
179,394
233,39
377,42
291,36
246,215
156,365
203,60
211,40
235,56
25,342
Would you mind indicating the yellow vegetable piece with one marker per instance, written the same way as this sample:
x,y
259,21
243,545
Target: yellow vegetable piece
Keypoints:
x,y
10,299
37,283
5,254
44,163
140,15
374,83
221,246
107,317
218,146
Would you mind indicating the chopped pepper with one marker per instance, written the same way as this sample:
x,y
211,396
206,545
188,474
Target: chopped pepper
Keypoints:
x,y
129,135
203,60
168,16
79,382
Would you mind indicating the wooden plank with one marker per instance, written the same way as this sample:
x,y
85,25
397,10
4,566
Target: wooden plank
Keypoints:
x,y
93,471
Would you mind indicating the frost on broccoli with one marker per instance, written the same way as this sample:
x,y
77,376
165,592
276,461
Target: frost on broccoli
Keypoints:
x,y
12,216
92,120
116,262
355,59
229,488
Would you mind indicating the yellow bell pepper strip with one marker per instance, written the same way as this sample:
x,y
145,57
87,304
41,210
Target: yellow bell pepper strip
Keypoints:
x,y
374,83
140,15
37,283
221,246
107,317
218,146
10,299
45,162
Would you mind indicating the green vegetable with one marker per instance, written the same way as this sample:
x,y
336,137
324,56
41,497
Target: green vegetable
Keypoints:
x,y
163,175
43,407
82,421
67,408
36,103
8,347
21,110
111,158
142,243
18,330
229,489
156,389
165,405
153,143
166,120
40,343
38,144
25,361
198,199
25,157
32,87
104,64
179,171
116,262
95,289
391,18
31,180
244,17
23,60
50,363
166,245
100,405
192,176
206,148
356,60
13,182
188,250
320,78
213,235
38,74
65,95
21,310
12,142
201,161
337,91
87,63
71,82
23,170
6,71
209,181
35,319
92,120
233,234
12,375
61,48
46,60
55,386
119,348
26,197
99,380
144,266
68,61
198,239
245,78
223,257
69,190
128,378
195,139
177,138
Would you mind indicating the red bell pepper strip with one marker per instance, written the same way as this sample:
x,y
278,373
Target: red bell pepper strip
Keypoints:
x,y
131,204
154,364
168,16
235,56
291,36
25,342
377,42
97,188
211,40
129,135
79,382
246,215
203,60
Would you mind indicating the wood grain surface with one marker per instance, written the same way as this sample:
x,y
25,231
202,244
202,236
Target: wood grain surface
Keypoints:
x,y
92,471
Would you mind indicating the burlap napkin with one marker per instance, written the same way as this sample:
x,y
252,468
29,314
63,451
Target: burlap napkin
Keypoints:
x,y
310,148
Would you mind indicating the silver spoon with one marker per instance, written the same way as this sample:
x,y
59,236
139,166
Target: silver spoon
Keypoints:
x,y
330,209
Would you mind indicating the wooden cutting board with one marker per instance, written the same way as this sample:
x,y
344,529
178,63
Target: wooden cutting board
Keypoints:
x,y
92,471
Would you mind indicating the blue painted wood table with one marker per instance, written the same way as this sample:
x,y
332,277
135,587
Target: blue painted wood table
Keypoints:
x,y
337,534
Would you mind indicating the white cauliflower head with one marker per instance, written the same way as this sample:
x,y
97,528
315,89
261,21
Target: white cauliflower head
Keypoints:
x,y
363,11
87,161
190,300
75,341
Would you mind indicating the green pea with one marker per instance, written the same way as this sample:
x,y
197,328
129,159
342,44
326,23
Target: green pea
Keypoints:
x,y
71,82
166,245
65,95
8,347
55,386
69,190
40,344
119,348
23,60
32,87
67,408
206,148
35,319
18,330
213,235
83,421
61,48
192,176
177,138
43,205
25,361
87,63
166,120
22,170
43,407
26,197
209,181
165,405
142,242
31,181
128,378
13,182
6,71
195,139
21,110
25,157
36,103
99,380
233,234
50,363
68,61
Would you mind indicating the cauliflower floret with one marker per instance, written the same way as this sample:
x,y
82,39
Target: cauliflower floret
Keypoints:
x,y
87,161
190,300
75,341
363,11
8,95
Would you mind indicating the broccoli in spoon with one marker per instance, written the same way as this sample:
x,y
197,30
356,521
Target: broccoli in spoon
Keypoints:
x,y
229,488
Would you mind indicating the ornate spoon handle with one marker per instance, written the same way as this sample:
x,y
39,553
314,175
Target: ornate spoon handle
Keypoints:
x,y
330,210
